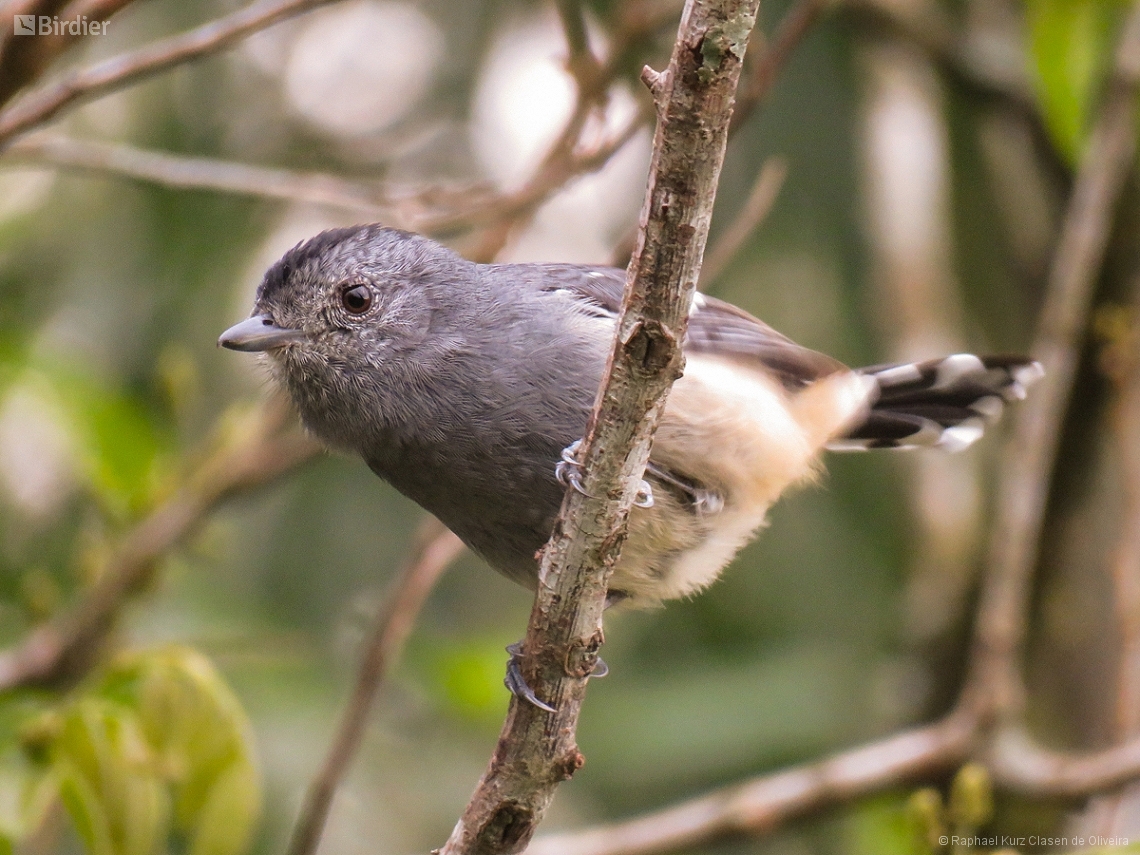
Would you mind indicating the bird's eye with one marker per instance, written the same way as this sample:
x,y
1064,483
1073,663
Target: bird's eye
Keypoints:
x,y
357,300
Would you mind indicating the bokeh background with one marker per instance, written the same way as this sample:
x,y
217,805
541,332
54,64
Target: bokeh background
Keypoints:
x,y
917,213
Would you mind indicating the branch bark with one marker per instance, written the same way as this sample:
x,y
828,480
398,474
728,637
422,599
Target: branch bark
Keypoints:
x,y
536,749
1017,763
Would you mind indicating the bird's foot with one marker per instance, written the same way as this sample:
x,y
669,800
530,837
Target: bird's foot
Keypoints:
x,y
518,686
568,471
569,468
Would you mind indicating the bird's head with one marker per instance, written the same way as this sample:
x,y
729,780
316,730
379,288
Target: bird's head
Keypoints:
x,y
341,316
345,295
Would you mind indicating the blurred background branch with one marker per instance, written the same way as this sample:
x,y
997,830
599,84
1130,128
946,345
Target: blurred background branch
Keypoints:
x,y
405,210
104,77
248,454
1105,166
436,548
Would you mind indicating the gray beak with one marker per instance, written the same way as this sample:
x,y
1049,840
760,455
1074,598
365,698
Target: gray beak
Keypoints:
x,y
258,333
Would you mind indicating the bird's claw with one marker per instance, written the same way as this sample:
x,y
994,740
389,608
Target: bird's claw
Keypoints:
x,y
568,471
517,684
569,468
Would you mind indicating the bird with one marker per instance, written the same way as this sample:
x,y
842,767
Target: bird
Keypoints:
x,y
467,386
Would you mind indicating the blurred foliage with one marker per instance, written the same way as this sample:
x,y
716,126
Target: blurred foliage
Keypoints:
x,y
154,750
112,295
935,826
1071,44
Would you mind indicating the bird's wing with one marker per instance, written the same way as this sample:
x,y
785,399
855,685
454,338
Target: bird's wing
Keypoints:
x,y
715,327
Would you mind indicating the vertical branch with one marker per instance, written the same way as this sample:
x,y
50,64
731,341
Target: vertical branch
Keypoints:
x,y
1020,513
1120,360
536,750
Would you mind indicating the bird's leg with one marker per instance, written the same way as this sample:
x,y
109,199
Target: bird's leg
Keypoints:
x,y
568,471
704,499
516,684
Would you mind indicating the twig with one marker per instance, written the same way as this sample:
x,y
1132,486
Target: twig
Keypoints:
x,y
92,81
760,200
536,749
563,160
762,803
581,62
409,210
430,210
250,457
1000,633
574,27
437,548
434,212
561,164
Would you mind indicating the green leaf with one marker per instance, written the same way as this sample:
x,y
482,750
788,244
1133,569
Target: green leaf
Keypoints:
x,y
203,744
85,809
1070,45
157,746
228,815
108,780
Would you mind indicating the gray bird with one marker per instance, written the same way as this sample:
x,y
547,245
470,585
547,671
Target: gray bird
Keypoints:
x,y
466,385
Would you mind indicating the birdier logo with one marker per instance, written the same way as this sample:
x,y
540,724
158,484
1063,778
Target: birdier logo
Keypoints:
x,y
50,25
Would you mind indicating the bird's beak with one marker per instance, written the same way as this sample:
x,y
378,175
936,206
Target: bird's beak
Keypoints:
x,y
258,333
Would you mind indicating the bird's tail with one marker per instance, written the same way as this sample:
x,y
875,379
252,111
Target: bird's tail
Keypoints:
x,y
944,403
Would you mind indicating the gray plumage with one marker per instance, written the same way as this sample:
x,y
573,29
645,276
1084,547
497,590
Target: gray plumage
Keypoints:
x,y
460,384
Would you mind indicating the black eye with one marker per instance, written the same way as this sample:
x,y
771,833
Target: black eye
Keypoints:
x,y
357,300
